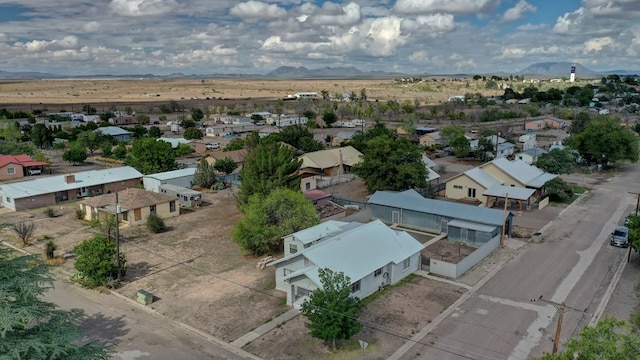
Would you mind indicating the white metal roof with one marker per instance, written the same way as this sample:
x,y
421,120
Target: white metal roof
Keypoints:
x,y
471,226
112,130
52,184
482,177
173,174
359,251
319,231
523,172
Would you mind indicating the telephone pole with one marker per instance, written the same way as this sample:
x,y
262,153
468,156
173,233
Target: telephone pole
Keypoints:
x,y
504,222
118,235
562,308
635,214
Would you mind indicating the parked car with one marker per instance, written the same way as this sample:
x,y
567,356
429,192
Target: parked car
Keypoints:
x,y
211,146
620,236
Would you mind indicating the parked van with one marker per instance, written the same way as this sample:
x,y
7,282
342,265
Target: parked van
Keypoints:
x,y
620,236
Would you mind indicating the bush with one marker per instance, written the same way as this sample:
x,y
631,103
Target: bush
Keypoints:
x,y
50,249
155,224
79,214
50,212
97,262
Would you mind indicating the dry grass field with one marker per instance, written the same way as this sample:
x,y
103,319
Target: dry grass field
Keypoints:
x,y
140,92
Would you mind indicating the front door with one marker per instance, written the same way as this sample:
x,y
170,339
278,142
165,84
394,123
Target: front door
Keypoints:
x,y
137,214
395,217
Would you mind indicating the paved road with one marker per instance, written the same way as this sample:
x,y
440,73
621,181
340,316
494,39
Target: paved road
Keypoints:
x,y
137,333
575,265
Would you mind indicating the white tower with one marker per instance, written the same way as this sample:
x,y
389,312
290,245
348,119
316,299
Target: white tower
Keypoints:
x,y
572,77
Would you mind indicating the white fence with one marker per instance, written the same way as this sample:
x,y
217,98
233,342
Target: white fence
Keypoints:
x,y
454,271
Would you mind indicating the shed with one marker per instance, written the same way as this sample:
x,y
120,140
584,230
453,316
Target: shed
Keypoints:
x,y
181,177
186,197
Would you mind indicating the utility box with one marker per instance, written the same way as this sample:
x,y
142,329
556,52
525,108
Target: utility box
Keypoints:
x,y
537,237
145,297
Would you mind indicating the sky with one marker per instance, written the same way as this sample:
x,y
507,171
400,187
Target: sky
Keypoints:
x,y
200,37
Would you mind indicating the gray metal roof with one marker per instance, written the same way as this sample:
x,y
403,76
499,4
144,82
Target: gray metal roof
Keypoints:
x,y
173,174
482,177
52,184
523,172
447,209
180,189
471,226
320,231
512,192
112,130
535,152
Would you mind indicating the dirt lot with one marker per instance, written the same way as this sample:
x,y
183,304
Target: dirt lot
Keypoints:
x,y
199,276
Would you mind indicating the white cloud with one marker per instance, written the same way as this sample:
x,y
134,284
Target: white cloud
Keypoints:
x,y
436,23
532,27
91,27
257,10
597,44
512,53
142,7
466,65
455,56
566,21
446,6
518,11
419,57
350,15
613,8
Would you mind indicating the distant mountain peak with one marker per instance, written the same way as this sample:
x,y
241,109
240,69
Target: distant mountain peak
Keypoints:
x,y
556,69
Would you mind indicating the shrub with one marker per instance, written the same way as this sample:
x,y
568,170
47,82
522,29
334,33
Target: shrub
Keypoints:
x,y
79,214
155,224
50,212
24,230
50,249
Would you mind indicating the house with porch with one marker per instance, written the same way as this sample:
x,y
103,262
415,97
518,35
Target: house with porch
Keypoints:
x,y
52,190
134,206
371,255
13,167
330,162
118,133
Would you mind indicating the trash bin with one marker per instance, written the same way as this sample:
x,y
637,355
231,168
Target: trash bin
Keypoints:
x,y
145,297
537,237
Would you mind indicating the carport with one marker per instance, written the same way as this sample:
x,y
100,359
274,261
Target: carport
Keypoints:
x,y
521,195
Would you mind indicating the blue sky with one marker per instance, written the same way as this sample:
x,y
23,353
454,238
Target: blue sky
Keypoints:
x,y
82,37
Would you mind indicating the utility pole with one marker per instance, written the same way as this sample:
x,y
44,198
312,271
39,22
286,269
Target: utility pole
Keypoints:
x,y
556,339
118,235
504,221
635,214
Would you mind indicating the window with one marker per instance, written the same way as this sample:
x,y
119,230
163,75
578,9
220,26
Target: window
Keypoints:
x,y
125,216
471,192
307,186
172,206
152,209
407,263
459,187
286,271
355,287
11,170
293,248
377,272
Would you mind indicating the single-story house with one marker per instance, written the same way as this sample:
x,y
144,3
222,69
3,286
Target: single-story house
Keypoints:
x,y
180,177
123,120
236,155
530,156
552,122
534,125
115,132
135,206
330,162
472,183
18,166
461,222
431,139
342,137
52,190
371,255
505,149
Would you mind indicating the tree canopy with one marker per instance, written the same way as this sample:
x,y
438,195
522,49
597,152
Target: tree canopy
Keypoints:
x,y
225,166
392,164
151,156
193,133
605,141
299,137
205,175
331,311
75,155
451,132
266,167
557,161
31,328
41,136
267,219
97,261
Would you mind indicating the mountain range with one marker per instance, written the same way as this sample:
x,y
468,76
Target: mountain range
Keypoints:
x,y
290,72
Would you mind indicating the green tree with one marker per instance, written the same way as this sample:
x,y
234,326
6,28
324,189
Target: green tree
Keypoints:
x,y
205,175
197,114
193,133
266,219
450,132
32,328
138,131
361,141
151,156
299,137
142,119
11,131
611,339
155,132
605,141
331,311
97,262
268,166
557,161
579,123
461,146
558,190
88,109
329,118
235,144
120,152
183,150
225,166
485,147
75,155
155,224
325,94
392,164
363,94
41,136
92,140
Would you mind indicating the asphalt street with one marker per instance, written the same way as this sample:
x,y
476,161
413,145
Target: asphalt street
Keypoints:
x,y
513,315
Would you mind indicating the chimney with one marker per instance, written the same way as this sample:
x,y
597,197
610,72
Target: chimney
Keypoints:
x,y
69,178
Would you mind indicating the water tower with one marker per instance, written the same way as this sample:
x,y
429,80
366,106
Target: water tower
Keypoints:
x,y
572,77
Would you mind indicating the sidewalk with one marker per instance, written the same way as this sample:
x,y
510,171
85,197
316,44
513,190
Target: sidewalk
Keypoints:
x,y
265,328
